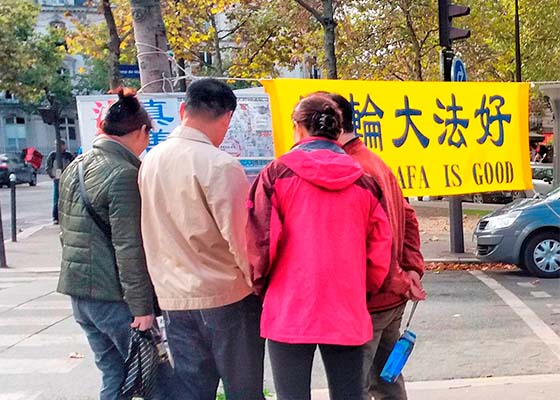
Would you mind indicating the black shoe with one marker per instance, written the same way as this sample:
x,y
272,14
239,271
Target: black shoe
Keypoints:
x,y
55,222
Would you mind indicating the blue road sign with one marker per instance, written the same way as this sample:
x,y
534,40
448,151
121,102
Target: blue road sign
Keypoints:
x,y
129,71
458,70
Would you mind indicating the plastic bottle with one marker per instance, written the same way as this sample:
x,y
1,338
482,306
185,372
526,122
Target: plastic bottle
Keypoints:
x,y
398,357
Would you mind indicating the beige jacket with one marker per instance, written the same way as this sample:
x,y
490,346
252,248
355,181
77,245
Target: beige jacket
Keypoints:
x,y
193,223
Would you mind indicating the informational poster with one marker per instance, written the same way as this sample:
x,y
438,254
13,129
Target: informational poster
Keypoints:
x,y
439,138
249,137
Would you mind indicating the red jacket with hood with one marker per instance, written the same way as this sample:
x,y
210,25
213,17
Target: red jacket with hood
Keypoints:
x,y
319,240
406,237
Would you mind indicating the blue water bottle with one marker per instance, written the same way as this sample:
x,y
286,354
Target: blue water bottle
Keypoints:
x,y
400,353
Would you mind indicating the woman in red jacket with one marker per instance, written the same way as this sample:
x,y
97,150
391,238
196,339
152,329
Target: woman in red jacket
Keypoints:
x,y
319,243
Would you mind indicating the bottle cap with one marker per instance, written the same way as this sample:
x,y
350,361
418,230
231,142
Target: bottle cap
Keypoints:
x,y
409,335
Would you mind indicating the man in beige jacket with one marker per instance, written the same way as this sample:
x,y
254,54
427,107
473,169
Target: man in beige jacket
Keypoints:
x,y
193,226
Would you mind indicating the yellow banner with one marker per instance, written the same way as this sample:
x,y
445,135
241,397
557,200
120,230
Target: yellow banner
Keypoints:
x,y
439,138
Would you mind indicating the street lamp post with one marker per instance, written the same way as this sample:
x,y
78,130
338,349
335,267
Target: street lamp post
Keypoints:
x,y
517,44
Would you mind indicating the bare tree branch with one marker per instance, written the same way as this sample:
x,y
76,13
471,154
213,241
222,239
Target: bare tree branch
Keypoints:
x,y
311,10
125,35
233,30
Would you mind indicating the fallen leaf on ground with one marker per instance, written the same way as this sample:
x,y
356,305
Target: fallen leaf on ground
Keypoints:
x,y
453,266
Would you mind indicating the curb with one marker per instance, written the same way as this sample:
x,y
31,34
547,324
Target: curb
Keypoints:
x,y
458,260
27,233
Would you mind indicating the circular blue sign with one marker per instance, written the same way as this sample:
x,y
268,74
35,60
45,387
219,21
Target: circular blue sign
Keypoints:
x,y
458,70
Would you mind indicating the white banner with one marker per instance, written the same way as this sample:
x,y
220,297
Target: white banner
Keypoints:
x,y
249,136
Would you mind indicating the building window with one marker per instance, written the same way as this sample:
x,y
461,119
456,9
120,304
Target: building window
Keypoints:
x,y
16,135
68,129
57,24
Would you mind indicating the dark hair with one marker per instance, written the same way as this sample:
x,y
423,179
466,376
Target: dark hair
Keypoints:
x,y
125,115
209,98
319,115
346,110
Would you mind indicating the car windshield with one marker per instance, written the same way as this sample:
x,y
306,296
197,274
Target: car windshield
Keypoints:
x,y
554,195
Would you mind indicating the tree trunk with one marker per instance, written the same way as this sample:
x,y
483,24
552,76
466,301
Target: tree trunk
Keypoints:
x,y
329,32
329,27
151,42
218,63
114,46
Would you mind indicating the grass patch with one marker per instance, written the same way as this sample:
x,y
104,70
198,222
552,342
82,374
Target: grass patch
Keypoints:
x,y
477,213
222,396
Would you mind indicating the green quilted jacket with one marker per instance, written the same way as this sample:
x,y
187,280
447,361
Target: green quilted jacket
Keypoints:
x,y
94,266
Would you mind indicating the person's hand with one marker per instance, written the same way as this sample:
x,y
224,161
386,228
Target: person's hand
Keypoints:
x,y
143,322
416,291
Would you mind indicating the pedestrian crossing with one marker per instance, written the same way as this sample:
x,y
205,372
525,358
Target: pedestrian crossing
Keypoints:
x,y
42,349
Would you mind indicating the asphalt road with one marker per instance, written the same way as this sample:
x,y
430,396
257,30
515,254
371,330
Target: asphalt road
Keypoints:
x,y
481,324
33,205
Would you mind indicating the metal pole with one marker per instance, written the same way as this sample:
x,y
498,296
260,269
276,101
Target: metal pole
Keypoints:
x,y
556,146
3,263
13,205
517,44
456,236
58,146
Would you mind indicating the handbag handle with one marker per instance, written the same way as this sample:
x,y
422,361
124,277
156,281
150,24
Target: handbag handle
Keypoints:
x,y
414,305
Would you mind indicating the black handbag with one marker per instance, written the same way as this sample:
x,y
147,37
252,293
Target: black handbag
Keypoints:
x,y
145,354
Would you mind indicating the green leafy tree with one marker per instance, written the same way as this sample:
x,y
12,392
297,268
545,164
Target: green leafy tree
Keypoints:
x,y
31,64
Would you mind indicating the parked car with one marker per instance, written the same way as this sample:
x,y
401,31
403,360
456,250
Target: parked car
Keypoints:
x,y
542,184
542,179
494,197
526,233
25,173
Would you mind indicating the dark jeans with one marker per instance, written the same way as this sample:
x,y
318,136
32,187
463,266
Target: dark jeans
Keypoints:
x,y
292,363
222,342
107,327
386,331
55,200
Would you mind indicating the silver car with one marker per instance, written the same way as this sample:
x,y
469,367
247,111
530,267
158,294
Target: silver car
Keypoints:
x,y
526,233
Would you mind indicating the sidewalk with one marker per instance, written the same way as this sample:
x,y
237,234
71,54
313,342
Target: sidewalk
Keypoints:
x,y
433,219
537,387
37,251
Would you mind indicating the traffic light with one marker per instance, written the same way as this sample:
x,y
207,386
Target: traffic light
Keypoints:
x,y
447,33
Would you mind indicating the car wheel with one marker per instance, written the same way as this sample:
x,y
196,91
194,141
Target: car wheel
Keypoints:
x,y
478,198
517,195
33,180
542,255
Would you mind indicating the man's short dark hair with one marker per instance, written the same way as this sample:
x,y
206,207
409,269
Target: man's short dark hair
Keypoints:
x,y
209,98
346,111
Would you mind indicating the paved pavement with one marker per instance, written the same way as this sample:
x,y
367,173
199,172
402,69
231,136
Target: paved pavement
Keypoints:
x,y
481,335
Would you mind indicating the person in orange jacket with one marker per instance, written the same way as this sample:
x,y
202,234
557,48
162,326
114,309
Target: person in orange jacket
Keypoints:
x,y
407,266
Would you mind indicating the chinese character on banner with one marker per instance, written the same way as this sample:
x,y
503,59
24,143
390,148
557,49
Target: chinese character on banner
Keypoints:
x,y
487,119
371,129
455,122
157,137
408,113
155,111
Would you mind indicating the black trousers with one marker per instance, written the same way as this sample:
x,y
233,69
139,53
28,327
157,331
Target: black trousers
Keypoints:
x,y
292,363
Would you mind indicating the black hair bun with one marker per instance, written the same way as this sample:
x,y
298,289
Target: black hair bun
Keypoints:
x,y
328,123
126,104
